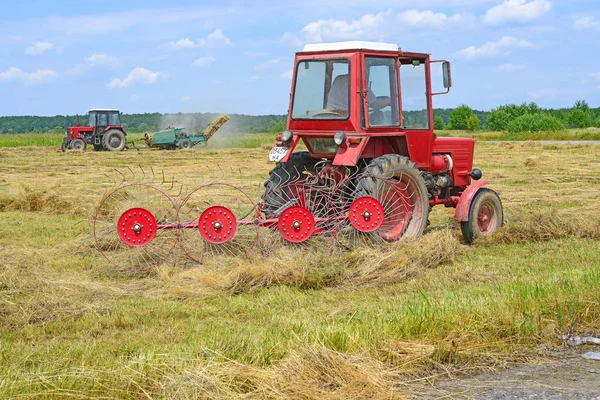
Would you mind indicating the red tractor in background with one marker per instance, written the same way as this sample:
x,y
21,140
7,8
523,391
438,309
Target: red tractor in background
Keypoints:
x,y
365,109
104,132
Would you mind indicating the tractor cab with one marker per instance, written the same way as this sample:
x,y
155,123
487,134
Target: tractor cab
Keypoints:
x,y
104,118
104,132
354,100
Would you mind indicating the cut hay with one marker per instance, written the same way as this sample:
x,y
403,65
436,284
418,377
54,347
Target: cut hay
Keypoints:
x,y
49,200
547,224
313,372
362,267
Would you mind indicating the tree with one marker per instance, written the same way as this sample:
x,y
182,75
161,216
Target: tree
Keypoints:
x,y
473,123
459,117
582,105
578,118
438,123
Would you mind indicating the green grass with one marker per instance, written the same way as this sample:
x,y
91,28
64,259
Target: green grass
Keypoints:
x,y
72,326
31,139
569,134
256,140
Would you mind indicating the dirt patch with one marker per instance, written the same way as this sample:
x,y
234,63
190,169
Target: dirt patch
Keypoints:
x,y
567,376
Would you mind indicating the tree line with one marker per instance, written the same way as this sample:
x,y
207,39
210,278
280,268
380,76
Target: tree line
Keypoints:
x,y
512,118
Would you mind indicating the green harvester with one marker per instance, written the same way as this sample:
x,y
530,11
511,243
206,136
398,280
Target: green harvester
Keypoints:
x,y
178,138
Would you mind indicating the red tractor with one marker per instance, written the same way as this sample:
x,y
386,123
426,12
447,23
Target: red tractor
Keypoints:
x,y
373,170
364,109
104,132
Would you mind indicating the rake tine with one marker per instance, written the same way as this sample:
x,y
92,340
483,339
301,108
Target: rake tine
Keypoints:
x,y
143,172
132,173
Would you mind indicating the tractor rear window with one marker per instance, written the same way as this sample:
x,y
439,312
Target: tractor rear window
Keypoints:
x,y
322,90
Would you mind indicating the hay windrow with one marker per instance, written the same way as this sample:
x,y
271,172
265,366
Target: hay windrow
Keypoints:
x,y
48,200
315,270
526,225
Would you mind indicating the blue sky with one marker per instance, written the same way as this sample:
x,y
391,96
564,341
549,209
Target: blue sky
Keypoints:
x,y
66,56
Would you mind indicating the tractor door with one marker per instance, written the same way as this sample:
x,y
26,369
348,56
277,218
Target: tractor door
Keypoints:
x,y
380,92
416,110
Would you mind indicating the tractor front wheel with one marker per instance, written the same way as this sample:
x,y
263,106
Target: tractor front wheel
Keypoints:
x,y
279,187
64,146
114,140
396,183
78,144
485,216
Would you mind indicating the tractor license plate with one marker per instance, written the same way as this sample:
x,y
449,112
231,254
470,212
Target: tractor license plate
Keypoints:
x,y
277,153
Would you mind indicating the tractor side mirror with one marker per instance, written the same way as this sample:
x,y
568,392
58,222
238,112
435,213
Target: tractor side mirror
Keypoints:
x,y
447,74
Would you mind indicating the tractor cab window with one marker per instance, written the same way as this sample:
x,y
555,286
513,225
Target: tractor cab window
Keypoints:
x,y
415,107
102,119
114,119
93,119
322,90
382,91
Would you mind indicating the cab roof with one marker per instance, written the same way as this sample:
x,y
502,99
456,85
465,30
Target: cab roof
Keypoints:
x,y
104,109
353,45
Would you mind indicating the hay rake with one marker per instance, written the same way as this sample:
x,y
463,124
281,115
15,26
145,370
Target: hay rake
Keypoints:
x,y
139,223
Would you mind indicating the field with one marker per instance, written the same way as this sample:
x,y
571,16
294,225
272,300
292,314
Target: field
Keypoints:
x,y
366,324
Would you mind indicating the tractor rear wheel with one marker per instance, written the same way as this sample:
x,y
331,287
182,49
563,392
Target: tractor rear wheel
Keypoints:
x,y
396,183
298,169
114,140
78,144
185,144
485,215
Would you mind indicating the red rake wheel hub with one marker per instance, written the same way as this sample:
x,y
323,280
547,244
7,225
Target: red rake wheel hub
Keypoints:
x,y
217,224
136,227
296,224
366,214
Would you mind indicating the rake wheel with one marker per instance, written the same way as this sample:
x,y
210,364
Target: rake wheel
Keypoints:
x,y
135,227
217,219
303,217
379,211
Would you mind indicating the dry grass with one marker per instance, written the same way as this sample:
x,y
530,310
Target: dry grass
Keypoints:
x,y
49,200
372,323
312,372
362,267
546,224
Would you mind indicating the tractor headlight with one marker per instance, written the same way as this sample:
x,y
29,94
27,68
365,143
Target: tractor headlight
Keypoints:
x,y
286,136
339,138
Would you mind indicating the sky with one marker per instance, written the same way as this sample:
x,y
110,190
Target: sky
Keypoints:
x,y
63,57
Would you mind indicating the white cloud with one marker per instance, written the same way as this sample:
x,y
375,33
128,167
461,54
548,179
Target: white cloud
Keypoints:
x,y
203,61
39,48
492,49
427,19
39,76
101,59
137,75
368,27
546,93
508,67
216,39
517,11
181,44
586,22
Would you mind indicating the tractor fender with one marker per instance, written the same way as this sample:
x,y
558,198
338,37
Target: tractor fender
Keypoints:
x,y
464,203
